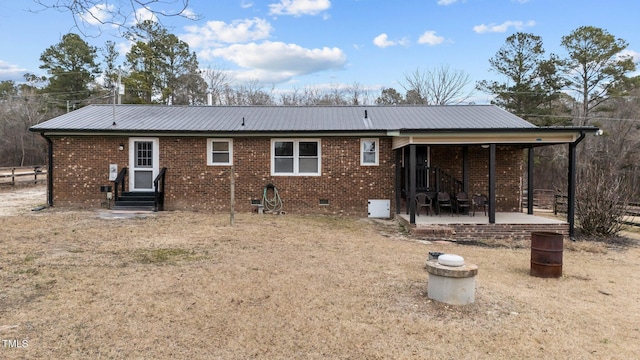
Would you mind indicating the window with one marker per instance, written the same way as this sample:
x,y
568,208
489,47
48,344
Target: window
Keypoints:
x,y
295,157
368,151
144,154
219,152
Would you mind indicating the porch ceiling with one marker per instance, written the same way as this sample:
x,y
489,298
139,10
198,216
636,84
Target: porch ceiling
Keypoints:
x,y
540,137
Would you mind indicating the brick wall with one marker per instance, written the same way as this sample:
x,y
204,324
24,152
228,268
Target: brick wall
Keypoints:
x,y
191,184
480,232
81,165
509,171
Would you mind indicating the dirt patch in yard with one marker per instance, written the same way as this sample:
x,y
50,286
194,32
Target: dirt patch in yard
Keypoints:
x,y
21,199
76,285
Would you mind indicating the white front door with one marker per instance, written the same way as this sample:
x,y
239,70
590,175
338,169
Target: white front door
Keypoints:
x,y
143,163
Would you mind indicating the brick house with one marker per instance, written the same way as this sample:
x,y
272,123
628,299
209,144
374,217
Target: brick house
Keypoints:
x,y
328,160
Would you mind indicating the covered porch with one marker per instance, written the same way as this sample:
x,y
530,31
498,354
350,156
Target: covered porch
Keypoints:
x,y
479,162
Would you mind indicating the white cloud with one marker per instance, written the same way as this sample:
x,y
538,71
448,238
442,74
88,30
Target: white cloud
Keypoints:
x,y
262,76
98,14
299,7
215,33
446,2
143,14
246,4
430,38
276,62
383,41
124,47
11,72
634,55
190,14
629,53
504,27
281,57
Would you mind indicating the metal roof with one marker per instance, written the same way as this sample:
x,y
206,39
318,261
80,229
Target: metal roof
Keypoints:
x,y
257,119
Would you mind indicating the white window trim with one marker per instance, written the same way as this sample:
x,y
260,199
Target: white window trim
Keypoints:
x,y
210,152
377,142
296,157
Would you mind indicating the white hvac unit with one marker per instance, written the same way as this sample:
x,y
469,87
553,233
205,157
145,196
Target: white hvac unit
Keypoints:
x,y
380,209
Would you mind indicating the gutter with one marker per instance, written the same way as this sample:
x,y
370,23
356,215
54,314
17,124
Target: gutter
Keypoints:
x,y
49,170
582,136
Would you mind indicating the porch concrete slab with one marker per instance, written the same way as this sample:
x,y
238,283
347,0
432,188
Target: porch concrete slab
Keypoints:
x,y
501,218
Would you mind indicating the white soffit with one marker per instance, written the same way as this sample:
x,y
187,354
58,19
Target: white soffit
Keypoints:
x,y
487,138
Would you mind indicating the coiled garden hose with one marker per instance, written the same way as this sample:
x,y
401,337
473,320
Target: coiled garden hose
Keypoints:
x,y
273,204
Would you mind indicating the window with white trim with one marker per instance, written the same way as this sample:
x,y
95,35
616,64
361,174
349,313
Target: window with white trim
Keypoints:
x,y
369,152
295,157
219,152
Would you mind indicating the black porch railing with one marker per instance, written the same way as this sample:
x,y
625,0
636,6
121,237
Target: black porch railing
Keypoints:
x,y
447,182
158,190
435,179
119,182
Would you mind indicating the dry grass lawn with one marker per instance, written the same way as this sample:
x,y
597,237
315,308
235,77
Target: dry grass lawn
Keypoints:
x,y
177,285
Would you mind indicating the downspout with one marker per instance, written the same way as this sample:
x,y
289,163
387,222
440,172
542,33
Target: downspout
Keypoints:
x,y
49,170
571,191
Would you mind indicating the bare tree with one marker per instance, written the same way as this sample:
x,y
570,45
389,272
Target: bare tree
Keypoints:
x,y
291,98
356,95
216,80
416,84
336,95
249,93
118,13
18,112
608,174
447,86
252,93
601,199
313,96
437,86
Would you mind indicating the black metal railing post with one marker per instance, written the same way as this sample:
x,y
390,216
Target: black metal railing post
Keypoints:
x,y
120,180
158,190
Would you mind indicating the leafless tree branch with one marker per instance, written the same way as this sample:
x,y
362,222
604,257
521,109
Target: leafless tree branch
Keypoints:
x,y
123,14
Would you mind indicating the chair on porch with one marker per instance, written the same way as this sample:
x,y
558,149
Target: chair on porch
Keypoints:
x,y
444,201
463,203
423,200
479,201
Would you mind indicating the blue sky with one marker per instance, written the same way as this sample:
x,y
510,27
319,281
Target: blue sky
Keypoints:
x,y
289,44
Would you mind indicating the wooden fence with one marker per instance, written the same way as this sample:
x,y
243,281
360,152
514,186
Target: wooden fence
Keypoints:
x,y
22,175
542,199
632,216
